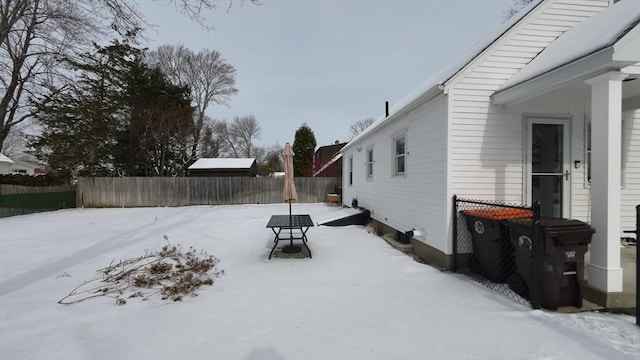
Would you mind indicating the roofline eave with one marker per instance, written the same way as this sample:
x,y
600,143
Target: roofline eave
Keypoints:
x,y
426,96
587,66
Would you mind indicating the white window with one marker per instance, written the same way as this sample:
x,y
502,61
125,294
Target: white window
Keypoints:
x,y
369,164
350,169
587,156
400,154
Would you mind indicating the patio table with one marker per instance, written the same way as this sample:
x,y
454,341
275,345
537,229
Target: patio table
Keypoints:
x,y
300,223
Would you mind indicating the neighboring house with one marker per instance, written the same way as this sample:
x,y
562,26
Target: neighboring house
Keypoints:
x,y
5,164
27,167
513,122
219,167
327,160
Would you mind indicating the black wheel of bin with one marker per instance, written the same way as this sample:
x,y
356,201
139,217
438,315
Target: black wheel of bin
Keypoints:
x,y
517,284
474,265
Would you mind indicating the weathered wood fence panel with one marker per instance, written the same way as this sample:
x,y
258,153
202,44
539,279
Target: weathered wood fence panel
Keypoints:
x,y
182,191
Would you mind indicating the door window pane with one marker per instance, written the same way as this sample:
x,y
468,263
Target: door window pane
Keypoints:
x,y
548,190
546,151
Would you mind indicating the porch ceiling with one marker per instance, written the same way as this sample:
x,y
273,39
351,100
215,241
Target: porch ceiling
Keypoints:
x,y
579,90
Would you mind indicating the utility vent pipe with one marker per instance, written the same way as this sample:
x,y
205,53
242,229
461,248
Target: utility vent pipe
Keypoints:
x,y
386,109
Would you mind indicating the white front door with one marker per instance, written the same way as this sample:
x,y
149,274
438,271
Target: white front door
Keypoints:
x,y
548,166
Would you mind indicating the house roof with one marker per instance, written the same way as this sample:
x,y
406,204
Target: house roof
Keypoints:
x,y
5,159
327,164
333,148
222,163
434,85
594,34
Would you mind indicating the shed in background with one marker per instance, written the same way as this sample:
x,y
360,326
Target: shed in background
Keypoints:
x,y
221,167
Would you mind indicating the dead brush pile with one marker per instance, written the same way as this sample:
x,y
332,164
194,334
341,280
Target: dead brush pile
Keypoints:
x,y
170,273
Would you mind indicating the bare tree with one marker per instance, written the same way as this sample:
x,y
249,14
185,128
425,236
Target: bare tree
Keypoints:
x,y
211,142
359,126
15,143
516,7
194,9
211,79
269,159
38,36
238,136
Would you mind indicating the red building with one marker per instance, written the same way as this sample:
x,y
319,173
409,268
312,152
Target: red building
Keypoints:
x,y
327,160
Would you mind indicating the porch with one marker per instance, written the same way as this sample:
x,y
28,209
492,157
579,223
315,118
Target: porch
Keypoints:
x,y
624,301
604,73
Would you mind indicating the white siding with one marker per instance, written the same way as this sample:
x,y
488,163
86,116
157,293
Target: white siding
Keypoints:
x,y
462,144
630,196
630,192
487,141
5,168
416,200
495,170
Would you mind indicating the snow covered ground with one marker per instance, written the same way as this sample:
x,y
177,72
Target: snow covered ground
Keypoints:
x,y
358,298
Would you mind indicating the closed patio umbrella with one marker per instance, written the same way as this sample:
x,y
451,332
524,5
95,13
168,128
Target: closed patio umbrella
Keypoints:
x,y
290,195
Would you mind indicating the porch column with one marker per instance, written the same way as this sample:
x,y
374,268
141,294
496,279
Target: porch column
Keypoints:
x,y
605,273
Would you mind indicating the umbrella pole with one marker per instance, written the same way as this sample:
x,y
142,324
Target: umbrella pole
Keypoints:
x,y
290,226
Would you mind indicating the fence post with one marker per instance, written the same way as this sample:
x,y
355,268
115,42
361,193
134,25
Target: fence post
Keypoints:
x,y
454,260
538,254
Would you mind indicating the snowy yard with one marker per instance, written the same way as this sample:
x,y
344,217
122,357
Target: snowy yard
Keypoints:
x,y
356,299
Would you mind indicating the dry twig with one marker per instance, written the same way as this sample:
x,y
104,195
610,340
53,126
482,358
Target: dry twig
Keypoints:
x,y
170,272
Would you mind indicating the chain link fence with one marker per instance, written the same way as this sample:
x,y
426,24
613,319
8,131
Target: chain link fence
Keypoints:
x,y
496,245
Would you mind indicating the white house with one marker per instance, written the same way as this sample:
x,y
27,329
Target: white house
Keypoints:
x,y
556,73
20,166
5,164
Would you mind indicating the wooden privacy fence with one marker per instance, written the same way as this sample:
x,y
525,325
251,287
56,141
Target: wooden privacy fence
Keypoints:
x,y
183,191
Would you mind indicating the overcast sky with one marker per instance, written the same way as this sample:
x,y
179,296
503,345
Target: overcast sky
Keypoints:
x,y
328,63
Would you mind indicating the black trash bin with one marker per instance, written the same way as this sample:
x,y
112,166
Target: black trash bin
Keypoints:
x,y
492,250
562,272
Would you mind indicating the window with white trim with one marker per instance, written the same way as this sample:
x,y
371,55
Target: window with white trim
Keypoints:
x,y
587,155
369,164
400,154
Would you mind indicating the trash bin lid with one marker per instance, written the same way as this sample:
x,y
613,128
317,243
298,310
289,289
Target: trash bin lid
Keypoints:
x,y
562,231
567,231
500,213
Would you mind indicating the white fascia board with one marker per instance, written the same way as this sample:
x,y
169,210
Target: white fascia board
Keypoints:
x,y
598,62
428,95
628,47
